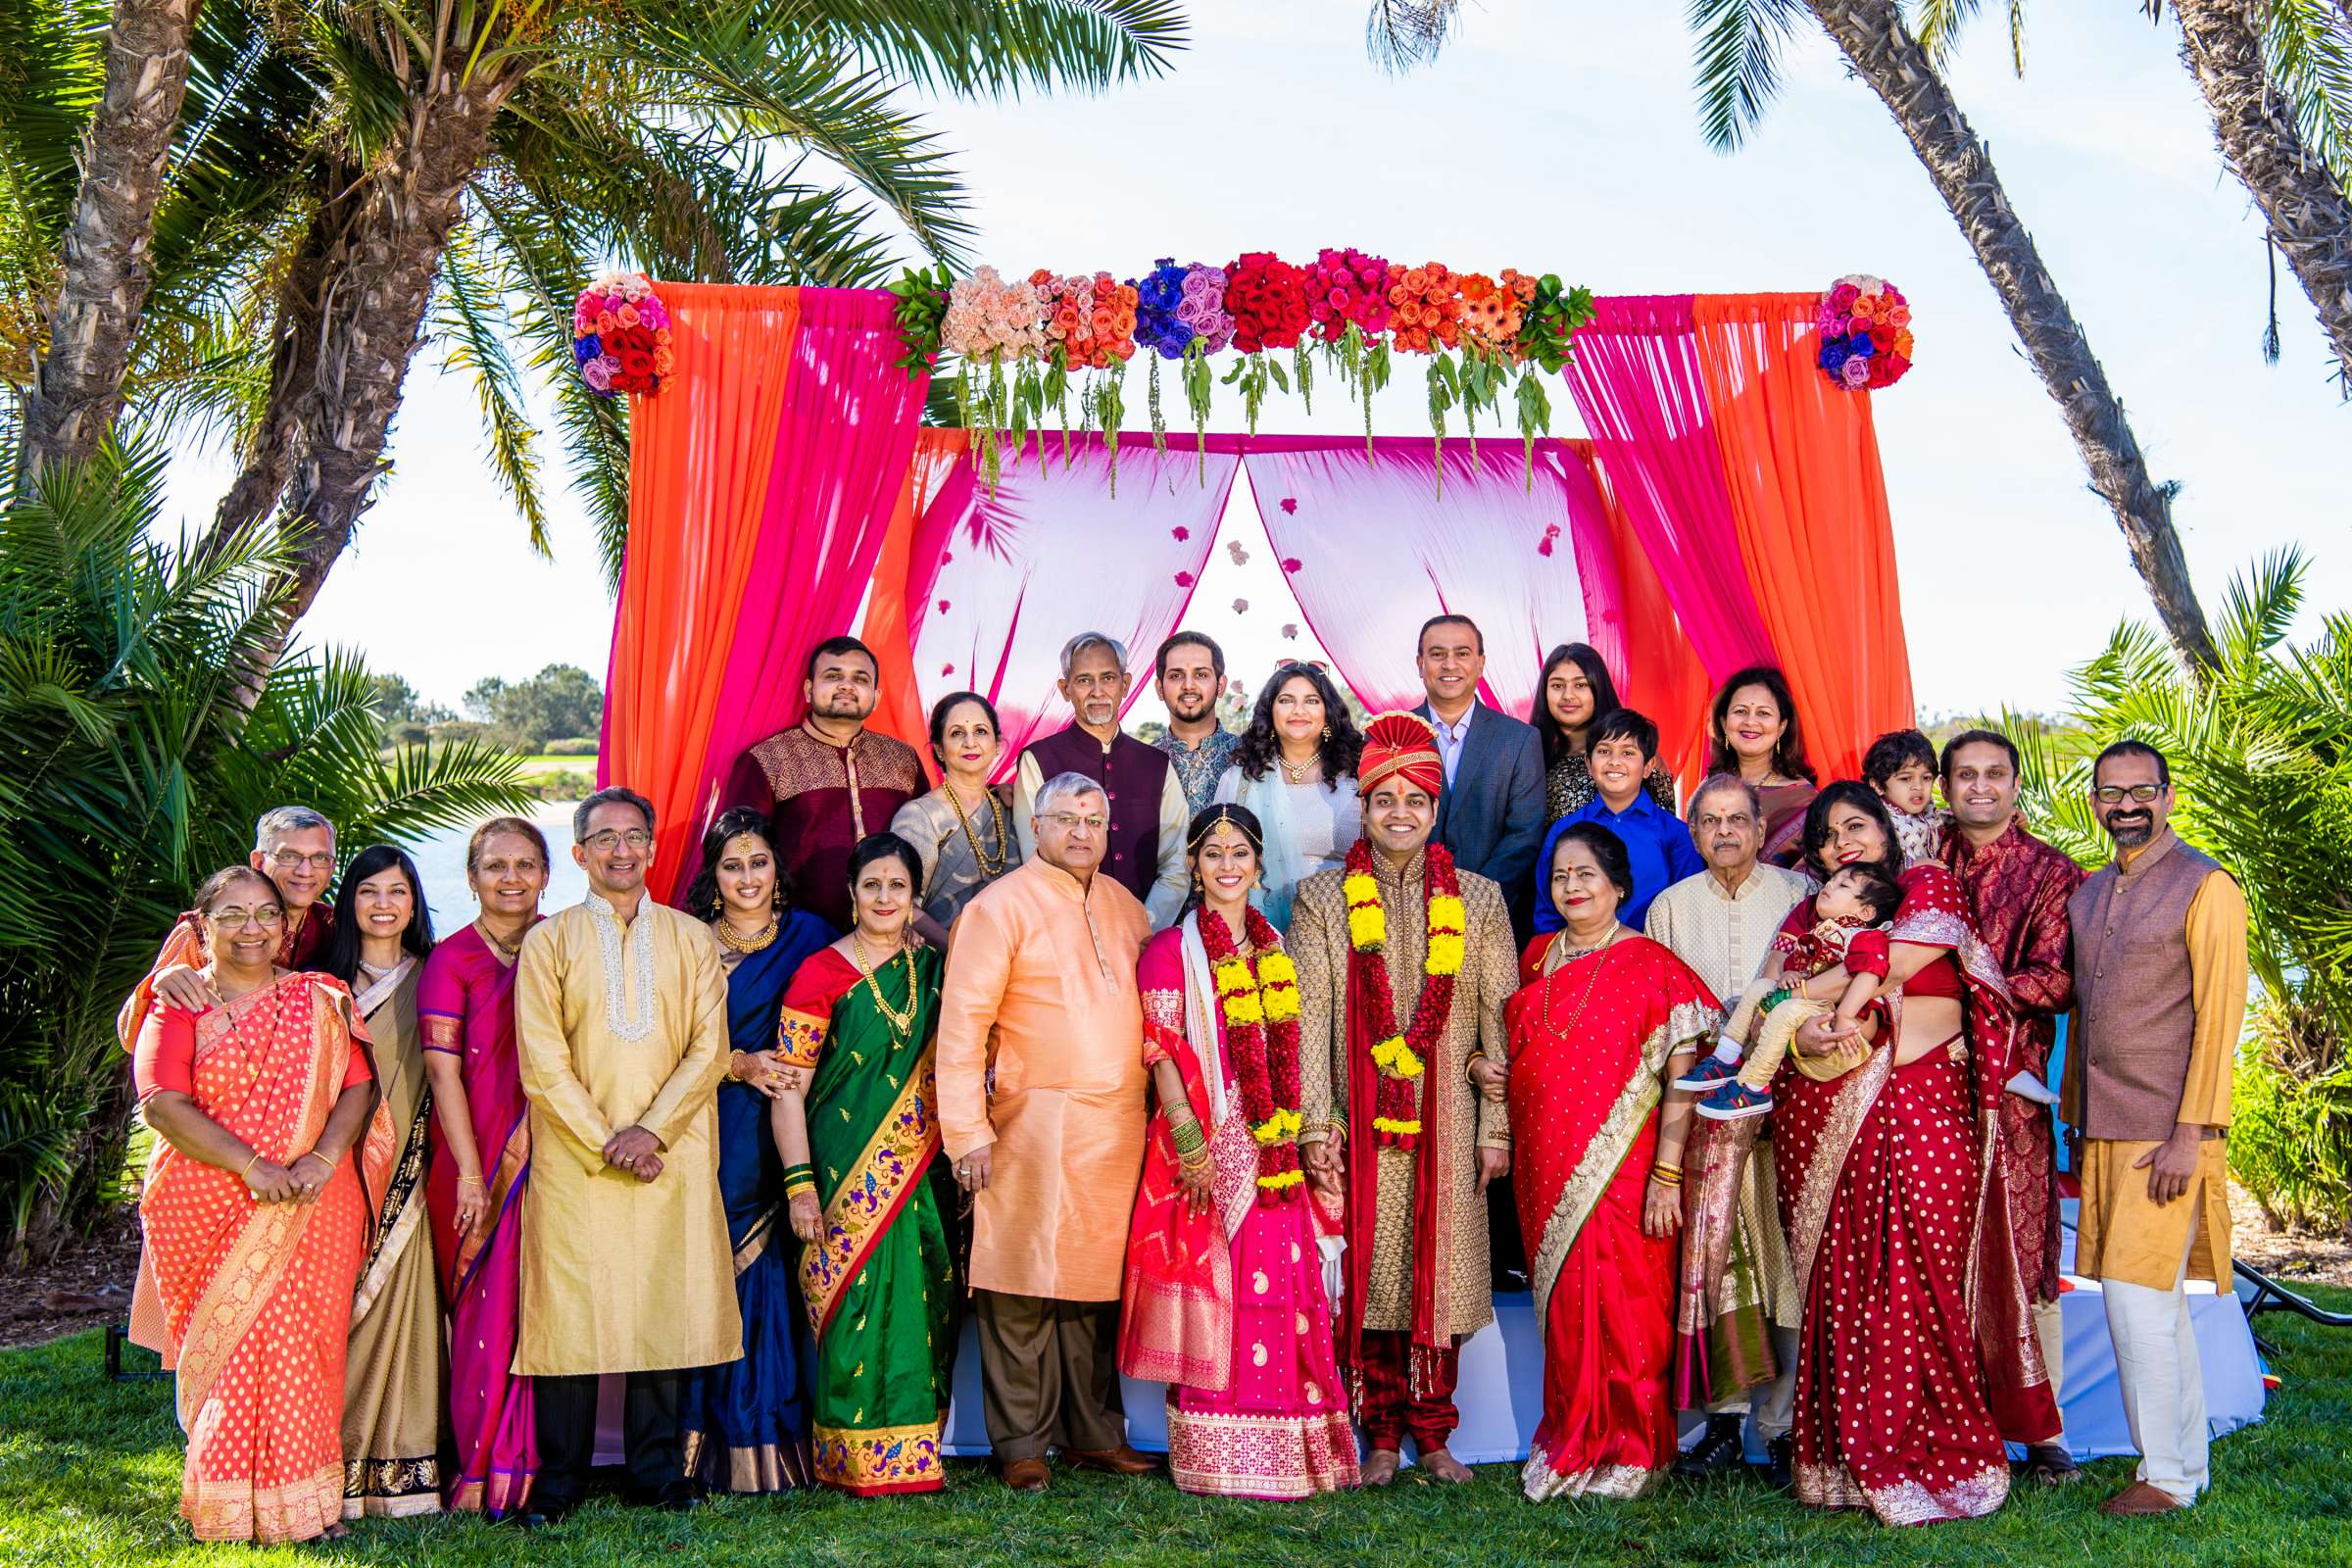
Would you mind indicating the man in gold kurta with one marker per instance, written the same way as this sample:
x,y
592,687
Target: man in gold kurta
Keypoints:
x,y
1400,1323
2160,995
1040,991
620,1008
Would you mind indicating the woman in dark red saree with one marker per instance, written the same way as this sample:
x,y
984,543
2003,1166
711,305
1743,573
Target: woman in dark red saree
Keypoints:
x,y
1605,1020
1917,1356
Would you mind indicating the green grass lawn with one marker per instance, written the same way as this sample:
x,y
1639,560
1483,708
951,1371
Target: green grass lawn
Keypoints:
x,y
89,1475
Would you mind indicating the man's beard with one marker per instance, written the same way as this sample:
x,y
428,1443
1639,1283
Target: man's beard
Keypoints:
x,y
840,708
2130,835
1198,707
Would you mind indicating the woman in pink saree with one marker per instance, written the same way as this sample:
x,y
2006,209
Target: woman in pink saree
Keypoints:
x,y
1917,1356
481,1156
1607,1020
1224,1299
269,1142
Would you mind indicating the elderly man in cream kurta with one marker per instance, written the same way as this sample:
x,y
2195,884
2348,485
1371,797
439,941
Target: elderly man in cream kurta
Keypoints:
x,y
1041,1107
621,1007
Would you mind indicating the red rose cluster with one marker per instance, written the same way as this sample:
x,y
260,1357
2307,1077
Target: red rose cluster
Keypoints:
x,y
1266,297
1348,288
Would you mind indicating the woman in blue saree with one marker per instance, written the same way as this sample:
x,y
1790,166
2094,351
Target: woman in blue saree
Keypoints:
x,y
746,1422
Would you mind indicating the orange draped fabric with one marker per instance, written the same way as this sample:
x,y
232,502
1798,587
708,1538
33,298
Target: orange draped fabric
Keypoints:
x,y
1800,460
1666,682
700,457
888,629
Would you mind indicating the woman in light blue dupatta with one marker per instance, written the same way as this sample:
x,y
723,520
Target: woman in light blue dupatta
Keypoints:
x,y
1295,770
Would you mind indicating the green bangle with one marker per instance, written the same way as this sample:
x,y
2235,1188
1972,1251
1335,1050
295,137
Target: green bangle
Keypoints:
x,y
799,1173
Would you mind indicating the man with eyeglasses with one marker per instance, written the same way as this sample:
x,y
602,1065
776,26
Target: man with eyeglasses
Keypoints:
x,y
2160,994
2017,887
828,781
1144,796
620,1018
1041,1112
293,847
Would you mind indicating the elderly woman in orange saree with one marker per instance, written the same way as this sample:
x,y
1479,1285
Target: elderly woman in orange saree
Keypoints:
x,y
270,1145
1607,1020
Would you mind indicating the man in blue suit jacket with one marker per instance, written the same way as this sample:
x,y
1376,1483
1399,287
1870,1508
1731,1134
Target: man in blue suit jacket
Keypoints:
x,y
1490,814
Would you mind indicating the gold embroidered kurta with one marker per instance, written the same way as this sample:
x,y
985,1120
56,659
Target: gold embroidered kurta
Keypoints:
x,y
1318,946
620,1275
1041,991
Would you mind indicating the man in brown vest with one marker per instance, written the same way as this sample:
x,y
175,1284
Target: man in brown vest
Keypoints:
x,y
2160,992
1146,795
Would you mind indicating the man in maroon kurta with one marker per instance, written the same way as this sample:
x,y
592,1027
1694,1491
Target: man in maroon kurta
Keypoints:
x,y
828,782
2016,890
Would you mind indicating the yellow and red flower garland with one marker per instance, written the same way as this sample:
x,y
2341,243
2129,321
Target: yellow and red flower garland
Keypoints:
x,y
1402,1058
1261,1030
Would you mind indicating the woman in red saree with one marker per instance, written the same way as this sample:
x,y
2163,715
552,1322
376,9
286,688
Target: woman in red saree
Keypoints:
x,y
1917,1356
270,1147
1224,1300
1606,1019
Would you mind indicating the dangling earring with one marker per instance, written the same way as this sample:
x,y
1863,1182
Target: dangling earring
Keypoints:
x,y
718,905
1327,732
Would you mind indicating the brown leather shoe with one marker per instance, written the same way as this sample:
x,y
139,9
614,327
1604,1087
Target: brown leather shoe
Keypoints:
x,y
2051,1464
1027,1475
1120,1462
2139,1499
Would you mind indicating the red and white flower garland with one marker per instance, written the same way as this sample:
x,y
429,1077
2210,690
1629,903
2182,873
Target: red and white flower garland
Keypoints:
x,y
1262,1029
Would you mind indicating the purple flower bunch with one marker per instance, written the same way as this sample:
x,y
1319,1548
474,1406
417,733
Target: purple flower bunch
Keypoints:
x,y
1202,308
1159,301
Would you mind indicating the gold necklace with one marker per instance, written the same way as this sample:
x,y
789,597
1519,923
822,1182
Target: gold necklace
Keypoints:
x,y
509,952
901,1024
1577,1016
757,940
990,868
1298,775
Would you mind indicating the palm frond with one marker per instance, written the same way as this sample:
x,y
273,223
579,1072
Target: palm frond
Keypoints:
x,y
953,46
2308,47
1937,24
467,314
1401,35
1737,65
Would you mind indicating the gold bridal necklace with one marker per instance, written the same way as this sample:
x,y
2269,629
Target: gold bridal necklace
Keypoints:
x,y
990,867
901,1024
730,937
1298,775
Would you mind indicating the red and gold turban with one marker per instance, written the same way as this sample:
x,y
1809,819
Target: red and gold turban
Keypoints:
x,y
1401,743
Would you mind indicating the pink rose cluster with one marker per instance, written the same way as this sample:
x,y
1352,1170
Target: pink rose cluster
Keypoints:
x,y
620,337
1202,308
1348,288
1865,333
989,317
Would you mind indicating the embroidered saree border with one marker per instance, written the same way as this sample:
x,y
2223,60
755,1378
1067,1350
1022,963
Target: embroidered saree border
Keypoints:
x,y
873,1460
887,1173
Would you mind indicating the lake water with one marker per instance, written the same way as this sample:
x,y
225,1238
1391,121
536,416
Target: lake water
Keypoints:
x,y
441,864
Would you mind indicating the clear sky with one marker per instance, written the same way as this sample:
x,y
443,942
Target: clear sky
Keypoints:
x,y
1563,138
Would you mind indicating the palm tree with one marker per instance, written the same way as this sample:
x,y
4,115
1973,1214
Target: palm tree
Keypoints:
x,y
460,167
104,274
128,770
2277,75
1738,43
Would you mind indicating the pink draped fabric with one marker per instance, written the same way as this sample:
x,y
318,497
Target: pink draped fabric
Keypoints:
x,y
1379,549
999,582
1636,380
842,450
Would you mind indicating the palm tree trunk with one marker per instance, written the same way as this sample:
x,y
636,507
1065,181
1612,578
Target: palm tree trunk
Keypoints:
x,y
96,315
2310,218
1883,52
376,284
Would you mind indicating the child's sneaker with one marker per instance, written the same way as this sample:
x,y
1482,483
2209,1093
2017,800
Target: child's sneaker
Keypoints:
x,y
1710,1071
1734,1100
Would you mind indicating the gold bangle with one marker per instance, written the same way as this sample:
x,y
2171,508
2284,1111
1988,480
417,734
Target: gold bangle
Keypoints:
x,y
249,1165
793,1190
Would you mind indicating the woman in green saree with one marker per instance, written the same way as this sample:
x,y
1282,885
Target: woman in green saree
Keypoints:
x,y
857,1126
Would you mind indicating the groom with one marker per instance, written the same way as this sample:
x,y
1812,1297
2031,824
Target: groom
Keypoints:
x,y
1416,1287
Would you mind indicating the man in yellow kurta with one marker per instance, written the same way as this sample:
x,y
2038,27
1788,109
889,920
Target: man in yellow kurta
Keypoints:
x,y
2160,994
620,1008
1041,992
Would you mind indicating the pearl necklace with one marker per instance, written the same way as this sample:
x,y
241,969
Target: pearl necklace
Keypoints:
x,y
1298,775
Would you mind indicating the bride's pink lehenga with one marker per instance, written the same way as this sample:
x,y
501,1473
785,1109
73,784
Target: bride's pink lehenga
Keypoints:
x,y
1227,1306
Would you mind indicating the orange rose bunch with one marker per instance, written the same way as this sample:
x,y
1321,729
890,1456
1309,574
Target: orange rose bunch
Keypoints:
x,y
1090,320
1492,313
1425,308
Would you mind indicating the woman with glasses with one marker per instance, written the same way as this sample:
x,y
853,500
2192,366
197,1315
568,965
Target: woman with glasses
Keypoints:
x,y
269,1139
855,1124
963,830
392,1404
481,1153
1294,772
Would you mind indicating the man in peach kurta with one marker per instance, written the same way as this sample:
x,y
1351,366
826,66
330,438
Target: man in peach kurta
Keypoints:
x,y
1041,1107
